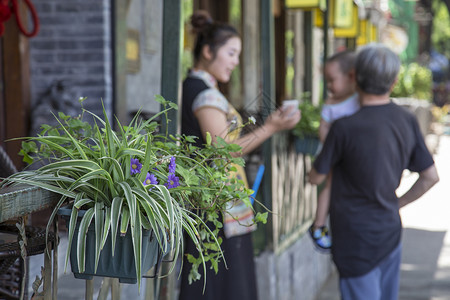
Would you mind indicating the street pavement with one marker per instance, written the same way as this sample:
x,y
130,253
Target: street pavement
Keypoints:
x,y
425,269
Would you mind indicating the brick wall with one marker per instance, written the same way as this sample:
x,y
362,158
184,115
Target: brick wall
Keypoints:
x,y
74,45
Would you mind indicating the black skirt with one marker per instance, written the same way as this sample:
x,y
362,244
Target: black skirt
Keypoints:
x,y
236,282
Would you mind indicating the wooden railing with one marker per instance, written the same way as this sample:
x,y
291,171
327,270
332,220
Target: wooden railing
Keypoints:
x,y
294,200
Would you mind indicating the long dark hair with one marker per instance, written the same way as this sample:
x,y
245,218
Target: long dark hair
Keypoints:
x,y
210,33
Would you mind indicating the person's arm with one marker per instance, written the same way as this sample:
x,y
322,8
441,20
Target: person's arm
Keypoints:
x,y
324,127
214,121
427,178
315,177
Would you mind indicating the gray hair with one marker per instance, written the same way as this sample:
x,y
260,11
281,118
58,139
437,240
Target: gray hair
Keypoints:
x,y
376,69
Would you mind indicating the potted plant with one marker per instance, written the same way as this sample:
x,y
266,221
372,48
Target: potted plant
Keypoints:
x,y
136,184
306,130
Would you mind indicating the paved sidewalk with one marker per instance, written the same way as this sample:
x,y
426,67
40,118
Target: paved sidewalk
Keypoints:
x,y
425,269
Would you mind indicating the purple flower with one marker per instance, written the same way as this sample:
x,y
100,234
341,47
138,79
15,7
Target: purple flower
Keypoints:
x,y
135,166
150,179
172,165
172,181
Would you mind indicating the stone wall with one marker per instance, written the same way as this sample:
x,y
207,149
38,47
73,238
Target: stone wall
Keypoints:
x,y
297,273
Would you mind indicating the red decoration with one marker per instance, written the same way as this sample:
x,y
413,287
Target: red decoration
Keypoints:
x,y
8,7
5,14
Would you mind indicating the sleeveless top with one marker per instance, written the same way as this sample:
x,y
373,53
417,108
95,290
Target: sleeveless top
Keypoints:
x,y
199,90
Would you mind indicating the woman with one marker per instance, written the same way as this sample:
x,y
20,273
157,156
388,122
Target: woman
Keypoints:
x,y
205,109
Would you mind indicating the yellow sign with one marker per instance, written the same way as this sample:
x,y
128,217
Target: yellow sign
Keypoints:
x,y
368,33
318,17
363,34
373,33
302,3
352,31
343,13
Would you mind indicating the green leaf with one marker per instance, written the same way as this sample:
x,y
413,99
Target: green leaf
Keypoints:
x,y
234,148
136,236
169,205
261,217
116,208
145,222
149,156
72,225
99,225
208,138
81,250
189,177
78,203
107,223
124,221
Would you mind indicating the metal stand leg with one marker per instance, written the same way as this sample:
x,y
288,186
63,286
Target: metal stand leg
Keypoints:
x,y
55,260
109,284
104,289
150,286
115,289
89,289
48,273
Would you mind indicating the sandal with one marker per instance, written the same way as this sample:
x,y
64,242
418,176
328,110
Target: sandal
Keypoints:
x,y
321,237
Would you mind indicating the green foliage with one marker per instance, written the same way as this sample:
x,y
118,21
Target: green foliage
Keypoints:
x,y
414,81
308,126
440,37
106,173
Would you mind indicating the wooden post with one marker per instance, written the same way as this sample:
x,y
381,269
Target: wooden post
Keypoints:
x,y
326,16
120,61
280,53
268,92
171,53
16,79
250,42
308,54
299,55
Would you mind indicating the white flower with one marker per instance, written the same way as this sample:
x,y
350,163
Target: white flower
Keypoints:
x,y
233,121
252,120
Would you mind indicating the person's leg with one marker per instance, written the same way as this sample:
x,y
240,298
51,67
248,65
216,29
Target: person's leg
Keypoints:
x,y
379,284
390,270
365,287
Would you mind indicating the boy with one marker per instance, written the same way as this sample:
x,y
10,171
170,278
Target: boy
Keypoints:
x,y
342,101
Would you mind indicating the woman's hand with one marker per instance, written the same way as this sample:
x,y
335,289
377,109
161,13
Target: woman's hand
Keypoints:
x,y
283,118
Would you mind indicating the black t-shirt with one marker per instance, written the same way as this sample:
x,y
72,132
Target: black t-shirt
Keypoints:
x,y
368,152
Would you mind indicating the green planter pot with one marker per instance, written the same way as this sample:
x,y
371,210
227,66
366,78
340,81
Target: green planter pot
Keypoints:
x,y
307,145
122,264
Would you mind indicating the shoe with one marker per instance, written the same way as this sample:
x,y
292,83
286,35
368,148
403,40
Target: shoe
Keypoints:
x,y
321,237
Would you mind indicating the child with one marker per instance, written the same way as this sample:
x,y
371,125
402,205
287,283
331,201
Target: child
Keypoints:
x,y
342,101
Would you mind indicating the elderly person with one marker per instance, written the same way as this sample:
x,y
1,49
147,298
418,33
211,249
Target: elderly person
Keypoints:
x,y
368,152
